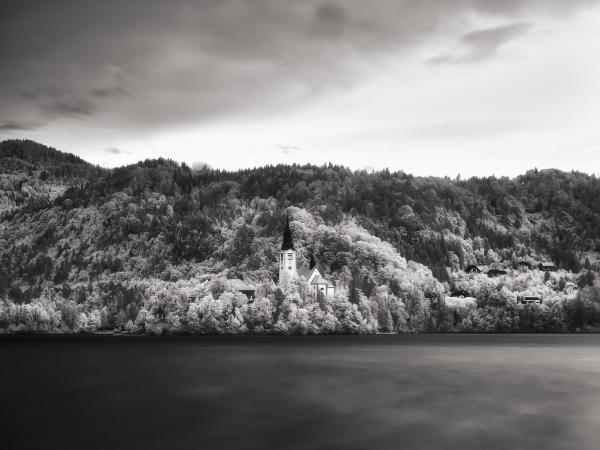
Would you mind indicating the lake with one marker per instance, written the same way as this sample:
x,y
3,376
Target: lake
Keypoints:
x,y
322,392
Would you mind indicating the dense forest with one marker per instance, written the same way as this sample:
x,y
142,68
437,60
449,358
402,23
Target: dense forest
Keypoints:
x,y
149,247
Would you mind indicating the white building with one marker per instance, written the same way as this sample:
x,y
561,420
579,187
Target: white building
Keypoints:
x,y
288,267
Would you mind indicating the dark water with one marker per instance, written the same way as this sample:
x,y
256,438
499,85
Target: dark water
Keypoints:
x,y
374,392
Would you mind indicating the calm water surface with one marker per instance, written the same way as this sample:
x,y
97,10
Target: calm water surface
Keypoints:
x,y
342,392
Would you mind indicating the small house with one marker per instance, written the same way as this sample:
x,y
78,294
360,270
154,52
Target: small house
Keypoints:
x,y
547,267
530,299
473,268
235,284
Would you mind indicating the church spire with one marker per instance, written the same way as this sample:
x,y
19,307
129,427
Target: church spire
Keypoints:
x,y
288,244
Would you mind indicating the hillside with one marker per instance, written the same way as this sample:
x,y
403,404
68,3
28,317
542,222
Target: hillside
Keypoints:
x,y
33,175
85,248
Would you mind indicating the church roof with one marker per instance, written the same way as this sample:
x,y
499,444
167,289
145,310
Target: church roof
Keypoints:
x,y
305,271
288,243
320,280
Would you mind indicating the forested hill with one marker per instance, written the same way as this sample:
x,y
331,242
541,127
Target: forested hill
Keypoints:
x,y
66,224
542,215
29,155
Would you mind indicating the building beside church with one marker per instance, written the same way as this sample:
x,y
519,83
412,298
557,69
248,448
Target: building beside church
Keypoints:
x,y
288,267
234,285
237,285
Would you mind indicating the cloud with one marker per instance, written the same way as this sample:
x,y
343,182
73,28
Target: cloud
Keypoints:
x,y
111,91
16,126
114,150
60,101
71,107
115,88
55,101
482,44
145,64
330,20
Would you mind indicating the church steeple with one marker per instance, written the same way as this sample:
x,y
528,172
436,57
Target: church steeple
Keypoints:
x,y
287,256
288,243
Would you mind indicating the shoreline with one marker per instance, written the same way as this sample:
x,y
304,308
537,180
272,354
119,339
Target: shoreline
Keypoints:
x,y
425,339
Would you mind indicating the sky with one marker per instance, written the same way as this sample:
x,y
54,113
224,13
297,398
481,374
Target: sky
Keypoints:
x,y
430,87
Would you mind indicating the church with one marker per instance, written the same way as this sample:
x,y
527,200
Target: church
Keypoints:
x,y
312,274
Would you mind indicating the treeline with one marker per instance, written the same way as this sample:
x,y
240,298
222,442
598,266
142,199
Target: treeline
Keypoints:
x,y
155,307
549,213
71,232
30,156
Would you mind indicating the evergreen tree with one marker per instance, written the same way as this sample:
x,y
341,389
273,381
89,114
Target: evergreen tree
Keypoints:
x,y
279,299
353,292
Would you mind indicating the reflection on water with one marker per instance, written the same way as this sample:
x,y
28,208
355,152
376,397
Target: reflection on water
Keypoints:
x,y
412,392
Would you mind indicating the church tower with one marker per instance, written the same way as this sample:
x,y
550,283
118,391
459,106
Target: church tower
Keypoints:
x,y
287,255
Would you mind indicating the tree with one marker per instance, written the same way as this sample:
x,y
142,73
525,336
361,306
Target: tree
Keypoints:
x,y
353,292
279,299
586,279
69,315
322,301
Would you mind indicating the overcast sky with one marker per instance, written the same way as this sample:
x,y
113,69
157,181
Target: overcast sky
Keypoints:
x,y
432,87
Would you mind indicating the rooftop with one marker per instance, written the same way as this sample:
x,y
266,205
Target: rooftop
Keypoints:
x,y
320,280
304,271
238,285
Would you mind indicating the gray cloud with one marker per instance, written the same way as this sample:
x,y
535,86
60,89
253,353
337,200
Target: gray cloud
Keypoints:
x,y
114,151
144,64
73,107
330,20
482,44
115,88
16,126
54,102
107,92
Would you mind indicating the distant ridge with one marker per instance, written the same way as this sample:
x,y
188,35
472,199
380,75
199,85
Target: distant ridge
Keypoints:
x,y
28,156
36,153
